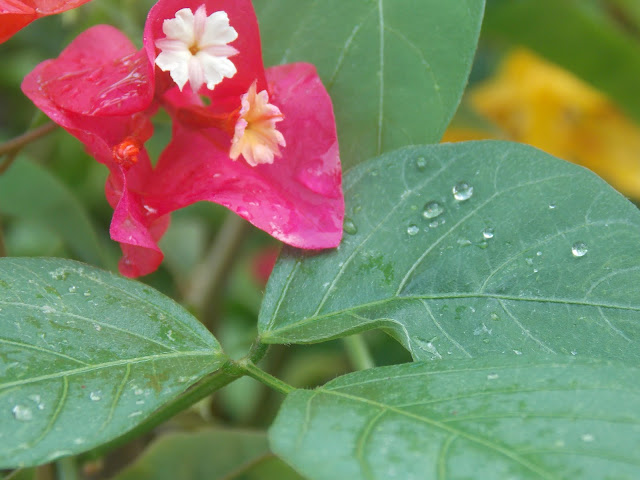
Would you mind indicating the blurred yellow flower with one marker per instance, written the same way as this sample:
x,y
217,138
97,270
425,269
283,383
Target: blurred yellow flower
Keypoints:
x,y
537,103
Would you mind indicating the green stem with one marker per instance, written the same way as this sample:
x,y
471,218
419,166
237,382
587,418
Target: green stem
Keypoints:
x,y
13,146
358,352
262,376
67,469
205,283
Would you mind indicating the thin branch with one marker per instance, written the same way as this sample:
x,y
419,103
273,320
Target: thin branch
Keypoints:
x,y
13,146
211,274
19,142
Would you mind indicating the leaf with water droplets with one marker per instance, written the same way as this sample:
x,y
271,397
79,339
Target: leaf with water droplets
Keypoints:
x,y
488,418
395,77
85,356
500,262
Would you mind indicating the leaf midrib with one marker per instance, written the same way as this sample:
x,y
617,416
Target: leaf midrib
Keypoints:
x,y
446,428
219,358
444,296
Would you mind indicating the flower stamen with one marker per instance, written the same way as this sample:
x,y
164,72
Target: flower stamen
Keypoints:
x,y
195,48
256,137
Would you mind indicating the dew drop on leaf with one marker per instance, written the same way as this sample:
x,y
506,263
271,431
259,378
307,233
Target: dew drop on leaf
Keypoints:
x,y
95,396
462,191
22,413
579,249
487,233
349,227
432,210
421,163
413,229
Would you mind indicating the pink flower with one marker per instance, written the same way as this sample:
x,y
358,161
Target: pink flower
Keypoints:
x,y
263,145
17,14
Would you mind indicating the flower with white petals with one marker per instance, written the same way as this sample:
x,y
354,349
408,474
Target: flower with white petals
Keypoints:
x,y
256,137
195,48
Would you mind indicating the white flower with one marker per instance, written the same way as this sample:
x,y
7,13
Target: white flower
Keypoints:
x,y
256,137
195,48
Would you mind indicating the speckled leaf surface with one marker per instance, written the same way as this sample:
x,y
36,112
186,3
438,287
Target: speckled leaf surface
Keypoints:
x,y
560,418
86,356
395,70
535,255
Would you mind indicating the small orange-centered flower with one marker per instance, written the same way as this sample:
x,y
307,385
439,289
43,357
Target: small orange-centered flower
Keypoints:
x,y
256,137
126,152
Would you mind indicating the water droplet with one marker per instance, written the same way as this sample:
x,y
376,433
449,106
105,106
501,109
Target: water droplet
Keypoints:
x,y
552,206
539,254
138,391
37,400
493,376
434,224
487,233
421,163
412,229
87,293
139,402
574,353
517,352
135,414
97,327
579,249
588,437
78,441
428,346
432,209
95,396
349,227
464,242
494,316
462,191
22,413
73,289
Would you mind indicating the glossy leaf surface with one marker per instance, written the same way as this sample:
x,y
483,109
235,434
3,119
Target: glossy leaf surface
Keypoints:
x,y
86,356
394,78
488,418
530,254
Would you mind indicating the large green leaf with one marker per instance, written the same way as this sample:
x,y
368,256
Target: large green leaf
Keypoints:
x,y
86,356
395,70
499,272
574,35
28,191
209,455
492,418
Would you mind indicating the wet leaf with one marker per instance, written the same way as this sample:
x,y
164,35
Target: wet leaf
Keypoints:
x,y
394,78
467,249
85,356
487,418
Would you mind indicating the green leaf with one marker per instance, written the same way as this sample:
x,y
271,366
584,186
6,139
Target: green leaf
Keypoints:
x,y
85,356
29,191
571,34
395,70
445,289
209,454
488,418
